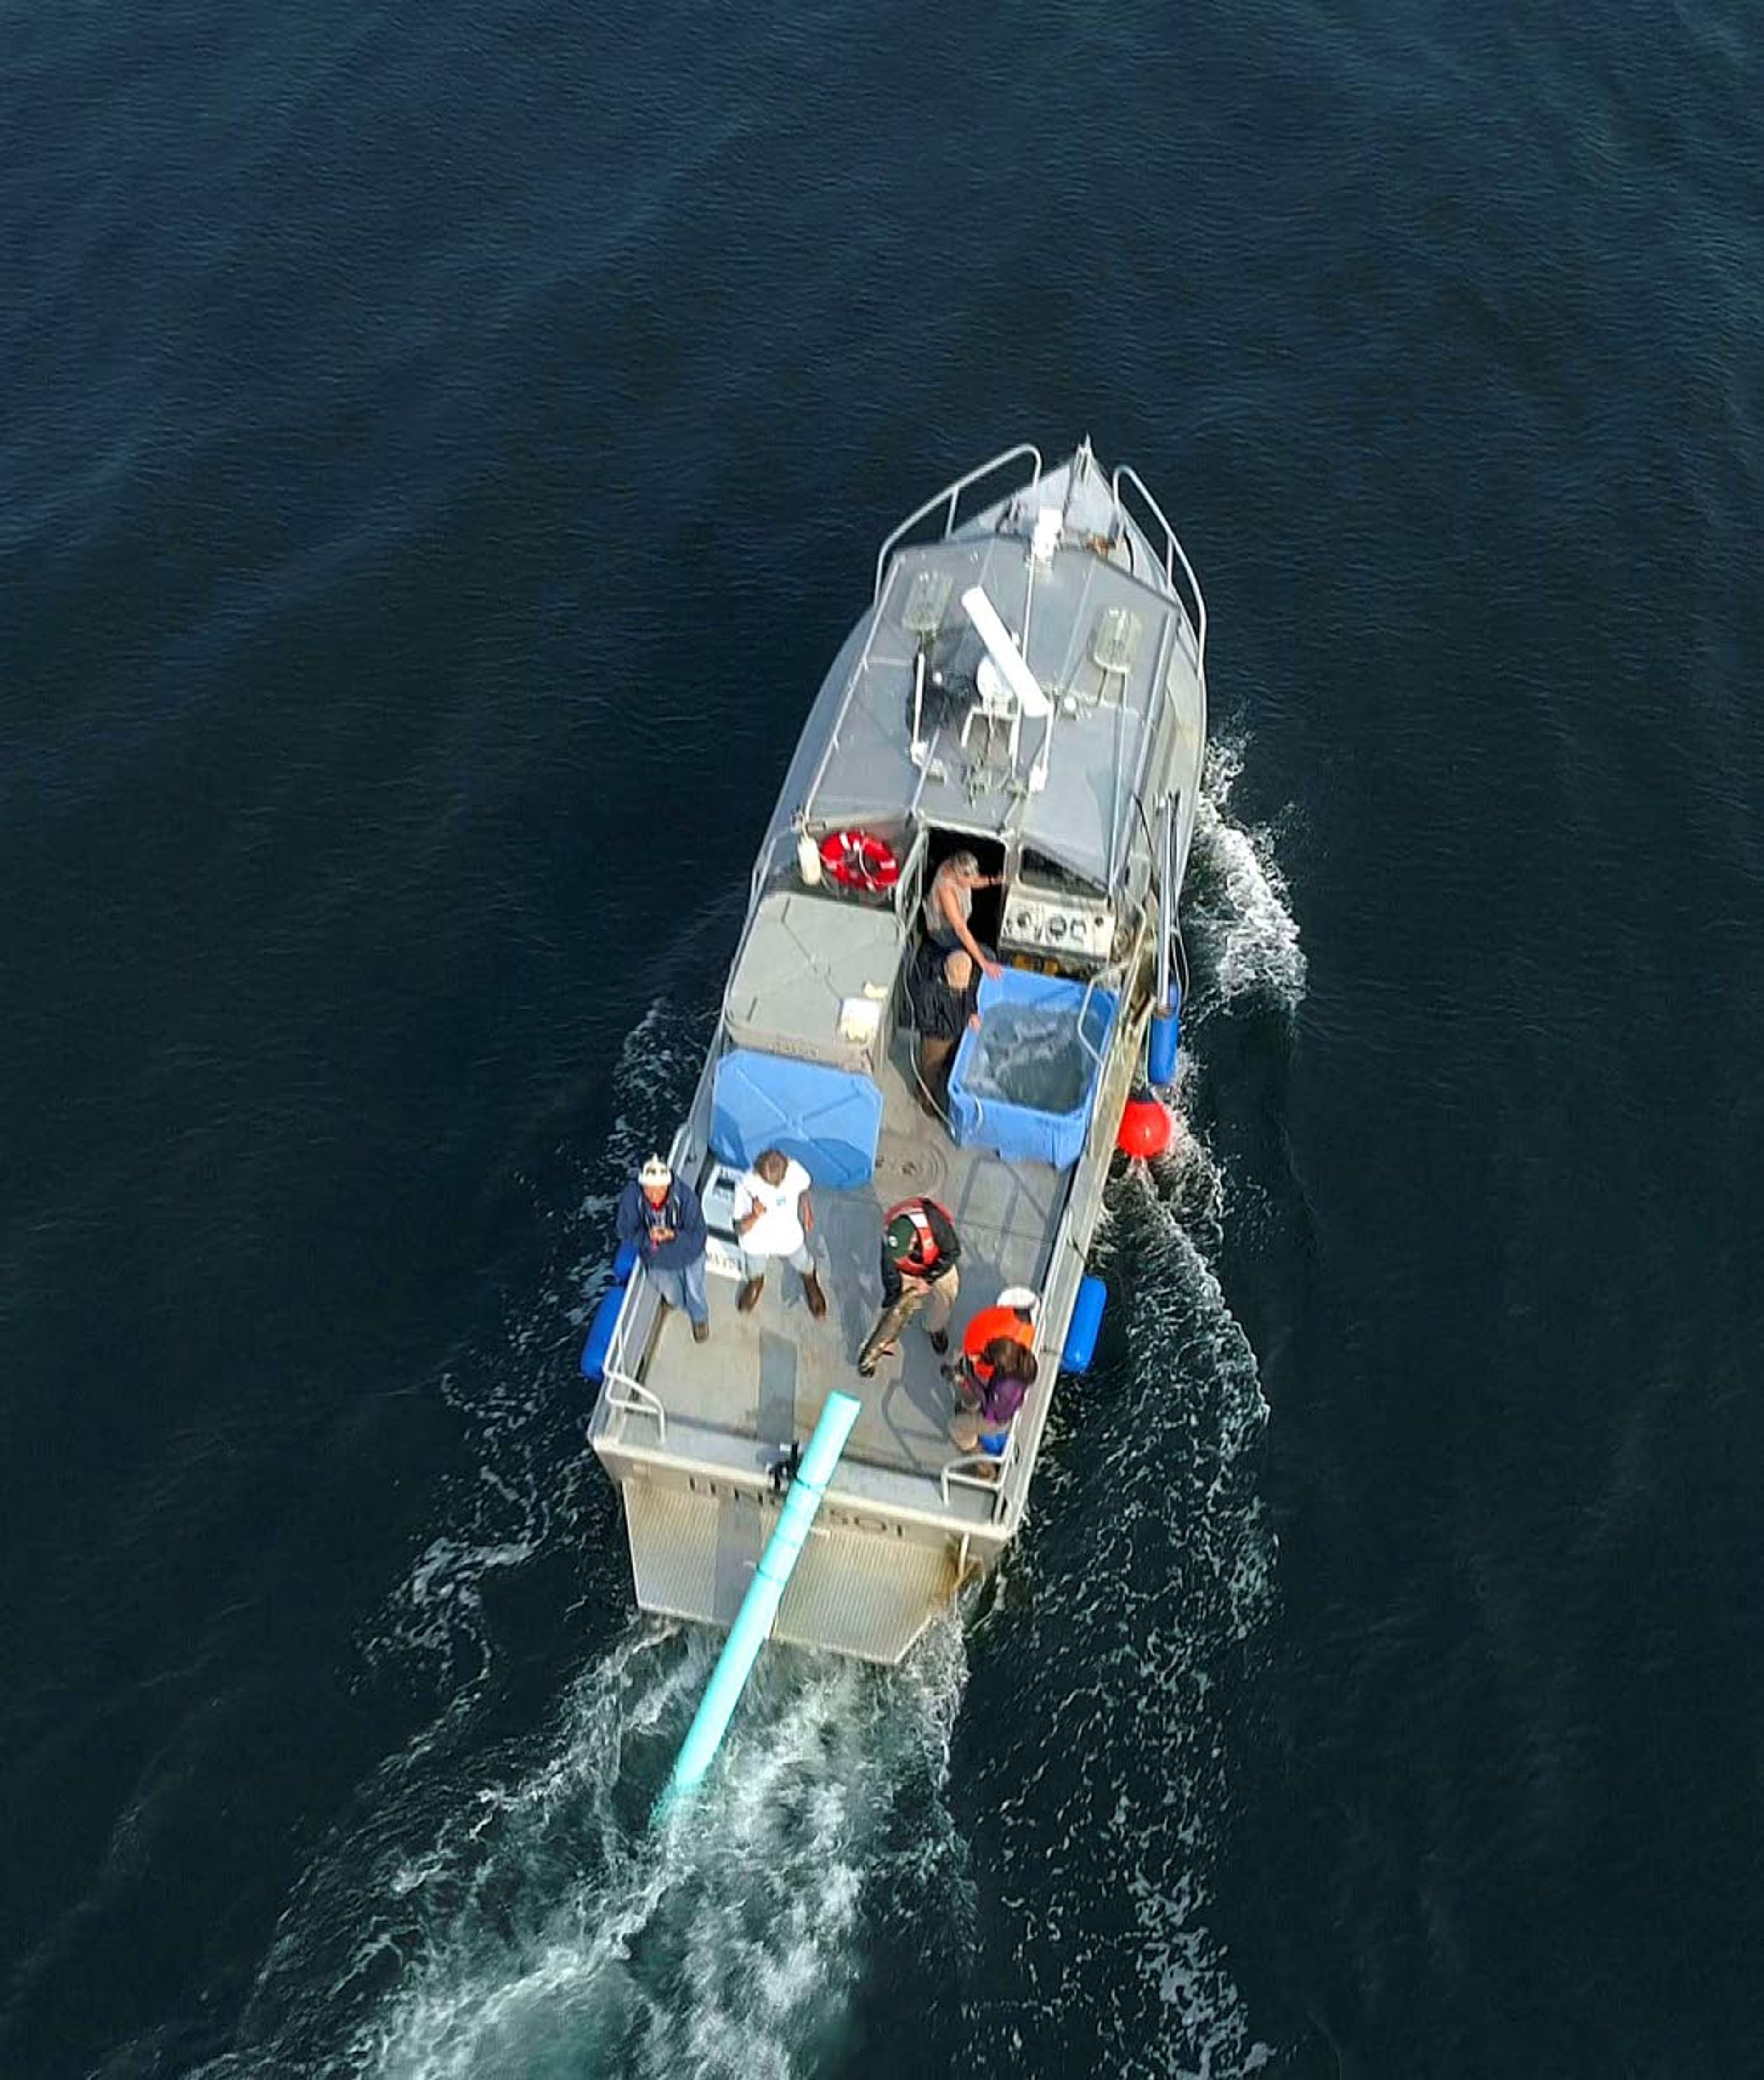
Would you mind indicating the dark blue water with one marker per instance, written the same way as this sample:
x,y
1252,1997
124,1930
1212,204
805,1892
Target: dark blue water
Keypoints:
x,y
443,448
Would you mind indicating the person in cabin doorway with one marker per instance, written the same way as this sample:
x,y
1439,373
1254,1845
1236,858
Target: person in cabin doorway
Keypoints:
x,y
920,1254
660,1214
948,1005
775,1216
948,905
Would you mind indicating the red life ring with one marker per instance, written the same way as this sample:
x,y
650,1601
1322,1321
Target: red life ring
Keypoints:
x,y
859,859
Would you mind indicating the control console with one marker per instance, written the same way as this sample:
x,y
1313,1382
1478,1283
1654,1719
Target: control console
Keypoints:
x,y
1056,923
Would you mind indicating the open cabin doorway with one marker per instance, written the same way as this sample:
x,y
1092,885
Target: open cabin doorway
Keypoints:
x,y
988,911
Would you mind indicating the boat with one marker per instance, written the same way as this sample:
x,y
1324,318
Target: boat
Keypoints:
x,y
1028,683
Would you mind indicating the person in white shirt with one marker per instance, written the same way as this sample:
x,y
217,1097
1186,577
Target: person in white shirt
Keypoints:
x,y
775,1216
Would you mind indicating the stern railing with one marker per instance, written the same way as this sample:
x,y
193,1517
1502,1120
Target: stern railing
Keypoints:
x,y
983,1471
634,1398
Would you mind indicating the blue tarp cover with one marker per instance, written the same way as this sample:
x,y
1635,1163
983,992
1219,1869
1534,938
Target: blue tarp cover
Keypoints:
x,y
1017,1131
829,1119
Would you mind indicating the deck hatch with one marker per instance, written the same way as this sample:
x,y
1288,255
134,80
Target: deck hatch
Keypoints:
x,y
1116,643
927,597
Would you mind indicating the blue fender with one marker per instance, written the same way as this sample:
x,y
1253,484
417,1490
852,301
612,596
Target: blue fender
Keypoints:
x,y
1165,1038
1086,1325
600,1333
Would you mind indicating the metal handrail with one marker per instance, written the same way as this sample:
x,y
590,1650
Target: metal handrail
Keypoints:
x,y
639,1399
1066,1261
1148,736
1095,1053
623,1390
682,1149
1174,552
641,1403
616,1373
951,492
762,867
647,1402
993,1485
615,1342
1167,908
909,890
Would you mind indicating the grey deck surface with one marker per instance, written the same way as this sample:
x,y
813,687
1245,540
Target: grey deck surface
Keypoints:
x,y
766,1375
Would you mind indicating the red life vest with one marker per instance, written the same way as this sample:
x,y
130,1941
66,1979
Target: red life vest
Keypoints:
x,y
925,1256
986,1327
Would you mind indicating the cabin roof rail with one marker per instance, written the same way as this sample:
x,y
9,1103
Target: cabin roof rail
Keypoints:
x,y
1174,552
948,497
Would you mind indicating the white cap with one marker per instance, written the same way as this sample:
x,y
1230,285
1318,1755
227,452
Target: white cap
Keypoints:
x,y
655,1172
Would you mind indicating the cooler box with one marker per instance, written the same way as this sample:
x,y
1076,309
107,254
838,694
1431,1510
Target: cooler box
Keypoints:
x,y
1024,1084
722,1247
829,1119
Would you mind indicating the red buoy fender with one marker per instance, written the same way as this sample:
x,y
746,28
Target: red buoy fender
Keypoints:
x,y
1145,1128
860,859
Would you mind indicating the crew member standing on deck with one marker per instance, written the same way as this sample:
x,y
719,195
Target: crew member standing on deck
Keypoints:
x,y
949,1006
774,1216
996,1369
949,905
661,1213
920,1252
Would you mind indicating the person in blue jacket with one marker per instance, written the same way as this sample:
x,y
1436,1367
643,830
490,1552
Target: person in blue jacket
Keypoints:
x,y
661,1213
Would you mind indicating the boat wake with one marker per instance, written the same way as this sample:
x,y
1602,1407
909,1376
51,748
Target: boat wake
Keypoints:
x,y
553,1929
507,1397
1135,1604
1031,1873
1244,938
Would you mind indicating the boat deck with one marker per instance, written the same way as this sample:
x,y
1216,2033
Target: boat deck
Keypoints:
x,y
765,1376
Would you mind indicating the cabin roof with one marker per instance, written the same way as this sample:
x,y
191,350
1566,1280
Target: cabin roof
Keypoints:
x,y
1105,645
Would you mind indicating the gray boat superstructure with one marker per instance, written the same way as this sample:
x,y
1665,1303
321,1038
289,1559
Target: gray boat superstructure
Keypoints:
x,y
1087,811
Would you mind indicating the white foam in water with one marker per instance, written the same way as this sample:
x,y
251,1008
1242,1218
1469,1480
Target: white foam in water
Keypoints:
x,y
510,1910
1188,1177
573,1938
1144,1581
509,1400
652,1082
1162,1586
1239,915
